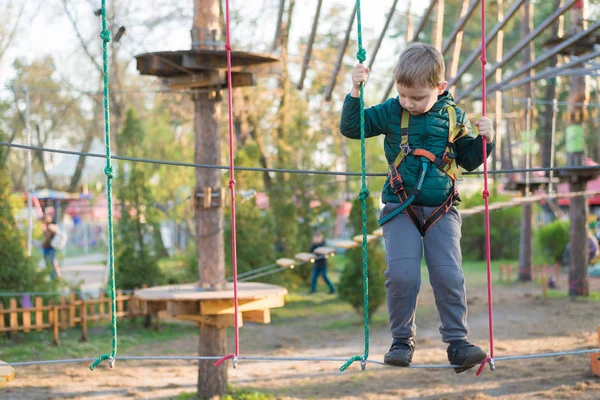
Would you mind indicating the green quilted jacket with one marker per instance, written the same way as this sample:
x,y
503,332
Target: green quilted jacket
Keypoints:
x,y
428,131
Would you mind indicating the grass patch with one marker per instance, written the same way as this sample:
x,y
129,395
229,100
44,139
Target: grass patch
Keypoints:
x,y
594,297
234,394
34,346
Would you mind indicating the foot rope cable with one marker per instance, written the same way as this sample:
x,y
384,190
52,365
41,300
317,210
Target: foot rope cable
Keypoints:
x,y
364,194
486,194
105,35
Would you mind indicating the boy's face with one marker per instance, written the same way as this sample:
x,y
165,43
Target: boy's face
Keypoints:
x,y
419,100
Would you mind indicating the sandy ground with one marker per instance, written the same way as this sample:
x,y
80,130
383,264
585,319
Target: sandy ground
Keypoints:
x,y
524,324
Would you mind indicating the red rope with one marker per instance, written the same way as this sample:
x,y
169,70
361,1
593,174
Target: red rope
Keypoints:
x,y
486,195
232,192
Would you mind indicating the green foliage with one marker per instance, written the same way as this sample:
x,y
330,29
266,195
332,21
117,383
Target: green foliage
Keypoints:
x,y
255,239
551,240
350,287
136,232
18,272
504,230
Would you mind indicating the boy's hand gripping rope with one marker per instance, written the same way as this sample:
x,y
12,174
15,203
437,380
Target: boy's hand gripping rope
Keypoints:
x,y
364,193
232,189
486,195
105,35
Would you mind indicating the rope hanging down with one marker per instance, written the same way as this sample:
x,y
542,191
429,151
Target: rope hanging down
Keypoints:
x,y
486,195
232,189
364,194
105,35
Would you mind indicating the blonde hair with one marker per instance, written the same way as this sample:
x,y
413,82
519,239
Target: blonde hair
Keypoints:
x,y
420,65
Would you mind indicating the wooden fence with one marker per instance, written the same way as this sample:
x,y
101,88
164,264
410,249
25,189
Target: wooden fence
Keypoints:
x,y
68,313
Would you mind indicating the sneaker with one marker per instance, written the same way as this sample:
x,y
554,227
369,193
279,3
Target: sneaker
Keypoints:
x,y
465,354
400,353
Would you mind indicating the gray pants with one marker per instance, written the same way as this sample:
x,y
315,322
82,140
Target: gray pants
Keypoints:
x,y
404,249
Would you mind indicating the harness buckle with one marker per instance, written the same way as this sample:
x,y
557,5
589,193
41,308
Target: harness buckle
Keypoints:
x,y
405,149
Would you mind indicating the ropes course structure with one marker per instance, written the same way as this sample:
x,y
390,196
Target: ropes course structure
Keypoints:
x,y
305,258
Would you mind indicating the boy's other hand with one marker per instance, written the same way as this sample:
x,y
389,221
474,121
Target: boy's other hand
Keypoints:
x,y
486,128
359,75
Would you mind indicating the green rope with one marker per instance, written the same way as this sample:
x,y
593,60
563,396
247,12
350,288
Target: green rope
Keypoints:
x,y
105,35
364,193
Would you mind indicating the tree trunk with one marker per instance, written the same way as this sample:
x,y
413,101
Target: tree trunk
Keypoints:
x,y
212,381
526,251
578,251
578,209
209,221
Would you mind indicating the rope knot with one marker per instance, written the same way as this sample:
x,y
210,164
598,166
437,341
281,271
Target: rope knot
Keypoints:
x,y
361,55
231,183
364,193
105,35
486,194
483,60
108,171
227,46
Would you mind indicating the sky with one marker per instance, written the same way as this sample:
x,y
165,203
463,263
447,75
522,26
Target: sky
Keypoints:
x,y
47,30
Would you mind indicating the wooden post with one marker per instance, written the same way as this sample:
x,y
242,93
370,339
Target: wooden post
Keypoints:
x,y
72,303
120,305
209,221
63,313
544,282
578,208
39,314
14,316
101,305
55,325
84,337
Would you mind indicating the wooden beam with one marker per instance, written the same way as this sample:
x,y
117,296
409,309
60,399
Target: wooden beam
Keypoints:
x,y
309,46
175,308
346,244
340,57
324,251
220,307
209,79
219,321
383,32
286,262
305,257
7,373
259,316
359,238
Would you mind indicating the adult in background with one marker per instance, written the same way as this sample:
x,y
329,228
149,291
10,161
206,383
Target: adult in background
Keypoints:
x,y
50,230
320,266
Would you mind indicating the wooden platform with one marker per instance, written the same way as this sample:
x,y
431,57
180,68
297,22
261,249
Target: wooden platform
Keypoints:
x,y
7,373
215,307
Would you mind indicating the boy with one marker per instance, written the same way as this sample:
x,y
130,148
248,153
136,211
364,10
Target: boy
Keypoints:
x,y
426,139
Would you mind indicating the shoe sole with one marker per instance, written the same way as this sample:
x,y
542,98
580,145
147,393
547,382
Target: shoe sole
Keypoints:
x,y
397,363
470,362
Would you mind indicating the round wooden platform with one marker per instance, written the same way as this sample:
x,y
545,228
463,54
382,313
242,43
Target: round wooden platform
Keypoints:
x,y
246,290
214,307
7,373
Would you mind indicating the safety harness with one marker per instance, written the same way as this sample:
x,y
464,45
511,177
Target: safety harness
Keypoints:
x,y
446,164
